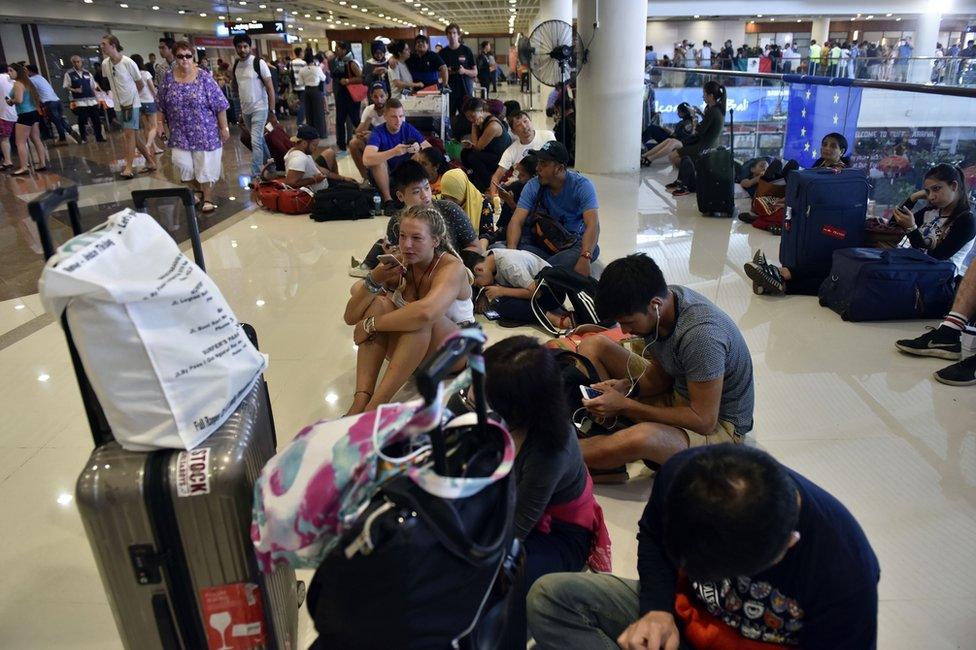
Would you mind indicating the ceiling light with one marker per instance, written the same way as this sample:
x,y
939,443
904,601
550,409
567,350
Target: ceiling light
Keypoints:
x,y
364,10
367,28
308,15
154,7
869,17
382,16
203,14
342,2
888,15
222,17
262,6
279,9
64,499
758,15
181,11
798,20
752,22
260,303
898,19
301,29
124,6
43,377
88,2
772,20
239,19
318,18
697,16
294,13
330,26
354,6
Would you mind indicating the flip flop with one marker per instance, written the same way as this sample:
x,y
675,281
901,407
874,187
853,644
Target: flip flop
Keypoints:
x,y
212,206
127,177
22,172
147,170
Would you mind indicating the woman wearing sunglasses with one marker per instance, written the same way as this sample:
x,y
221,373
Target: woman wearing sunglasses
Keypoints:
x,y
193,110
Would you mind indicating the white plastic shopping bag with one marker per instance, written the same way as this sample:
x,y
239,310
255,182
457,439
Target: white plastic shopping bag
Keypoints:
x,y
161,347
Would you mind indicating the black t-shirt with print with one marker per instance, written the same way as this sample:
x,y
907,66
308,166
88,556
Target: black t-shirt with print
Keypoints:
x,y
462,57
424,68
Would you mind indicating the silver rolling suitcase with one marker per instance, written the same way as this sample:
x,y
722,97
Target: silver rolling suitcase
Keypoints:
x,y
170,530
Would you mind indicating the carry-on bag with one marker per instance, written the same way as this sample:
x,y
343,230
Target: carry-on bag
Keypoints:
x,y
409,522
888,284
825,211
341,201
277,139
715,178
170,529
276,196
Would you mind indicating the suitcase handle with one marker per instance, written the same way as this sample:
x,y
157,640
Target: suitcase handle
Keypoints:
x,y
430,374
185,195
40,209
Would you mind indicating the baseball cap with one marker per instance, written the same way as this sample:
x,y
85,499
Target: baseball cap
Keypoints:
x,y
551,150
306,132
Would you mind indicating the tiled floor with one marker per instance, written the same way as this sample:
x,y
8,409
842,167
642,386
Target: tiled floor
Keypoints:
x,y
834,401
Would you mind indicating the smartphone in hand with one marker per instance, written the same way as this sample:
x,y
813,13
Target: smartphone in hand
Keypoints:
x,y
589,393
391,260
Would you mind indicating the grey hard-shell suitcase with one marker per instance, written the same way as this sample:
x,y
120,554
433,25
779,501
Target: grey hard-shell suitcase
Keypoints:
x,y
170,529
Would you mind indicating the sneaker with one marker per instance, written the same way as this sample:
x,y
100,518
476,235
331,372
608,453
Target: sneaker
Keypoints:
x,y
759,258
942,342
391,207
766,278
672,185
681,190
747,217
358,269
962,373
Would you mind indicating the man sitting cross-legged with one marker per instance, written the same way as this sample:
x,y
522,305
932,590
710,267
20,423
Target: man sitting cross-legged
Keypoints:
x,y
301,169
693,385
388,146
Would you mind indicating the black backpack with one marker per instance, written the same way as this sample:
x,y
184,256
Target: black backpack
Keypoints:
x,y
257,71
561,284
342,201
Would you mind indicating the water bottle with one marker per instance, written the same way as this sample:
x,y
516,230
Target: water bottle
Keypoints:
x,y
377,206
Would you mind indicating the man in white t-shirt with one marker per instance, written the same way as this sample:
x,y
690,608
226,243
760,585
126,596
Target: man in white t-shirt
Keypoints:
x,y
256,92
126,81
372,118
706,54
300,167
791,59
296,66
528,138
8,118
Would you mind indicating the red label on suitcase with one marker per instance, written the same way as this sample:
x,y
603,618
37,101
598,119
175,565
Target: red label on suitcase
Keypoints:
x,y
233,616
834,231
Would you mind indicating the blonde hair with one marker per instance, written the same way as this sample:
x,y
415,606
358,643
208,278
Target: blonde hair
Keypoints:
x,y
438,228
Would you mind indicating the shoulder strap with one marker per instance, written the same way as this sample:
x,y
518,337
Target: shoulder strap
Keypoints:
x,y
257,66
233,74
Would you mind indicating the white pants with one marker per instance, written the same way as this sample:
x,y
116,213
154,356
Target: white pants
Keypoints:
x,y
202,166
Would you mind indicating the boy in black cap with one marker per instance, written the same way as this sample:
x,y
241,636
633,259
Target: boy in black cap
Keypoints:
x,y
300,167
568,197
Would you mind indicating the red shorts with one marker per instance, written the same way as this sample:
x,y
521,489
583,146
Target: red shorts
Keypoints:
x,y
6,128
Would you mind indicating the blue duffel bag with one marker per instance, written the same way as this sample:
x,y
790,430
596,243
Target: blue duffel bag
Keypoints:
x,y
893,284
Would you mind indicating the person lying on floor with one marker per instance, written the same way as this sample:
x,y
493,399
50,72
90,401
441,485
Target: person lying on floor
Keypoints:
x,y
692,386
404,309
507,279
944,229
413,189
734,550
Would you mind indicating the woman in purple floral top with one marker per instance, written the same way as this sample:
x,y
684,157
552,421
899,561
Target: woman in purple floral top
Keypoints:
x,y
192,108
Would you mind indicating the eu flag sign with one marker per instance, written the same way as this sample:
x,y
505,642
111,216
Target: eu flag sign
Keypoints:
x,y
814,111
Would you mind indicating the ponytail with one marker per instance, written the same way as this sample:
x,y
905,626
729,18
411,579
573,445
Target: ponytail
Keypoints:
x,y
717,90
948,173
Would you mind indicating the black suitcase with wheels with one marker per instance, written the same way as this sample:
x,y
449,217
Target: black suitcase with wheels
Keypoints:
x,y
715,178
170,529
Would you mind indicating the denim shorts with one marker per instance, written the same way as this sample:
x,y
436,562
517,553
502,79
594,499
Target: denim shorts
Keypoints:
x,y
132,123
148,109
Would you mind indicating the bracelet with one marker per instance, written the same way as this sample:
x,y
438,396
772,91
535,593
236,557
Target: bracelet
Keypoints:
x,y
587,255
372,285
369,326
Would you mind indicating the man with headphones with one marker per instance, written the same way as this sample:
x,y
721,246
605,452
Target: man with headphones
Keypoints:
x,y
692,386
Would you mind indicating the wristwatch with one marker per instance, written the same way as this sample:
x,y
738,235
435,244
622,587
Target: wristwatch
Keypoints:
x,y
587,255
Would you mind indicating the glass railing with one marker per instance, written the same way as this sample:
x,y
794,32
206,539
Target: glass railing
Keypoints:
x,y
896,131
940,71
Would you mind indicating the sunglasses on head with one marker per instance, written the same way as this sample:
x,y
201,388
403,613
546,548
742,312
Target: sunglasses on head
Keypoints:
x,y
185,57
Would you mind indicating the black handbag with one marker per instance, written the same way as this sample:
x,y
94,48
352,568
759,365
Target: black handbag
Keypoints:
x,y
342,201
422,571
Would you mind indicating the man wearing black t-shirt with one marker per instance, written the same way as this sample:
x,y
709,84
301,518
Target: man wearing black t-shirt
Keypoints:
x,y
734,551
461,64
424,65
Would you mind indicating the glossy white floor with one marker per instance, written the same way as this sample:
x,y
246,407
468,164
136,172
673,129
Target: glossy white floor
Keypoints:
x,y
834,401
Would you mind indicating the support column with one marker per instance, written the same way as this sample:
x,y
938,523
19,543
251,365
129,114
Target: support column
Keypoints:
x,y
926,38
610,87
554,10
820,30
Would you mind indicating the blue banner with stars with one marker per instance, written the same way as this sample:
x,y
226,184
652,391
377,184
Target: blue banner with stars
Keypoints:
x,y
814,111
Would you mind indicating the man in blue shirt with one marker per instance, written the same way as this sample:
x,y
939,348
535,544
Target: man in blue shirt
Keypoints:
x,y
52,107
732,547
566,196
425,66
650,56
389,145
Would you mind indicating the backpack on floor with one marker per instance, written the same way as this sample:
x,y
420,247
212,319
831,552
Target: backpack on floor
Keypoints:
x,y
342,201
894,284
562,284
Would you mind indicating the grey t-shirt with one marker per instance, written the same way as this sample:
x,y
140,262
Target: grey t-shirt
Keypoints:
x,y
515,268
459,227
544,477
706,345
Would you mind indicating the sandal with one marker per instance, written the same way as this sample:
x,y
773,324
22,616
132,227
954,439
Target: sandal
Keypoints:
x,y
22,172
41,169
147,170
207,207
127,177
197,199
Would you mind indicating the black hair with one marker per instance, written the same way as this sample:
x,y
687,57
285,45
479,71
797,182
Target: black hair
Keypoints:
x,y
952,174
716,90
392,102
244,38
138,60
511,116
168,42
484,43
31,68
512,106
684,110
729,512
308,57
473,104
628,285
471,258
436,158
531,164
407,173
377,46
524,385
455,27
396,48
841,141
421,38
